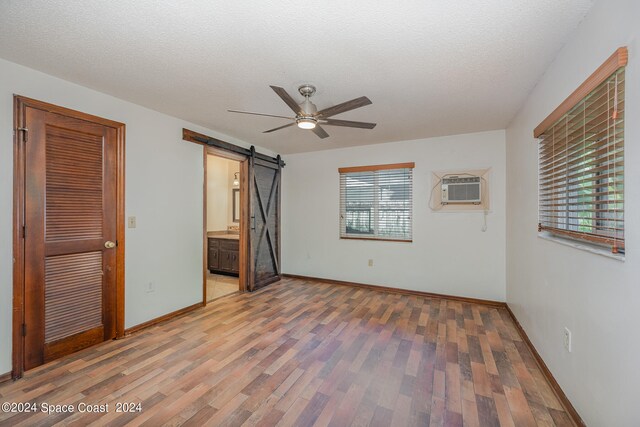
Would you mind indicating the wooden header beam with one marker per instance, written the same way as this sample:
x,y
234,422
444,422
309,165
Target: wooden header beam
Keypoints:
x,y
617,60
371,168
199,138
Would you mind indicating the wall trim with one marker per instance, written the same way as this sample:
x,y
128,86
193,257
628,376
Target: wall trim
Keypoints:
x,y
399,290
163,318
562,397
5,377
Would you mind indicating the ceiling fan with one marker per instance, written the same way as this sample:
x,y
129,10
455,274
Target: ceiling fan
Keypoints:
x,y
308,116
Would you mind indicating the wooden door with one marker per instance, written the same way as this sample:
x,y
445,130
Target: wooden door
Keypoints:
x,y
264,222
69,235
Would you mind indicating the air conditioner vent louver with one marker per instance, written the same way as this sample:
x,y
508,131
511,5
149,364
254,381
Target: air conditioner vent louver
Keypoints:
x,y
458,189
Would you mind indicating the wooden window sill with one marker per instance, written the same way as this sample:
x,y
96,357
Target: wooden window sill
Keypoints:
x,y
377,239
583,246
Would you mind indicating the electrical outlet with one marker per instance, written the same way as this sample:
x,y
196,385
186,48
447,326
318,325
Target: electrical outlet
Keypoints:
x,y
131,221
151,287
567,339
370,263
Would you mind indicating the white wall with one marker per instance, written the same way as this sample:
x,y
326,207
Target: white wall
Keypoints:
x,y
449,254
550,286
219,195
164,179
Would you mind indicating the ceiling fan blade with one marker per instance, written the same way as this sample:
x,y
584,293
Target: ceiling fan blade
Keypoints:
x,y
287,99
260,114
278,128
345,106
320,132
348,123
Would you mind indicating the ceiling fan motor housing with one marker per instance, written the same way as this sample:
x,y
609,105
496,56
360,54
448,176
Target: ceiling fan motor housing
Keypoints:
x,y
307,107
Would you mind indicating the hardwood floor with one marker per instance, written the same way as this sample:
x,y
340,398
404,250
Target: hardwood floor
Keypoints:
x,y
303,354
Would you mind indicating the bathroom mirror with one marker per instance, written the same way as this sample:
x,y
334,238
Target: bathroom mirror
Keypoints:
x,y
236,204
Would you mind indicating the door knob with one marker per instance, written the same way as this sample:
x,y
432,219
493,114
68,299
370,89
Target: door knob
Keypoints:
x,y
109,244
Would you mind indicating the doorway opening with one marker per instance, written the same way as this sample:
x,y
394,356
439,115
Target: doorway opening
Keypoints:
x,y
259,212
223,210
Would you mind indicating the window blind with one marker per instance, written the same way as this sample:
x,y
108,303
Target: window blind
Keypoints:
x,y
581,168
376,202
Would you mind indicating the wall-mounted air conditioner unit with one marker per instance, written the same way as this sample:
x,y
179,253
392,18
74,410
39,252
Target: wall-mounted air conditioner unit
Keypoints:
x,y
461,189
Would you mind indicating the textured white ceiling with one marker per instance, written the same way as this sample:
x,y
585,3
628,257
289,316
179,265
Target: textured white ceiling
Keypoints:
x,y
431,67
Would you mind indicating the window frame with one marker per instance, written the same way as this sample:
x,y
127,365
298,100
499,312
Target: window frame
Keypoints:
x,y
610,69
375,208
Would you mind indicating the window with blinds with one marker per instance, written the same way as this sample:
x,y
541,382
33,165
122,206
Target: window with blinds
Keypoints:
x,y
581,167
376,202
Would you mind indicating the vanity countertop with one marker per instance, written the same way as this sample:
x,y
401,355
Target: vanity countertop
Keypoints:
x,y
224,235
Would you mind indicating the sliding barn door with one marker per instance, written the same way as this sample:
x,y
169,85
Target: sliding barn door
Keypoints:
x,y
264,222
70,235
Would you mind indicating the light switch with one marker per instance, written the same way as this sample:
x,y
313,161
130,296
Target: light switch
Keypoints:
x,y
132,222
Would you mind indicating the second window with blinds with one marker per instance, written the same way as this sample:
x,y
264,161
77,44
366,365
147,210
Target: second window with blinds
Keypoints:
x,y
581,160
376,202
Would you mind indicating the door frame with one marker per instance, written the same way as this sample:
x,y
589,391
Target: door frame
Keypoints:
x,y
20,103
244,206
245,155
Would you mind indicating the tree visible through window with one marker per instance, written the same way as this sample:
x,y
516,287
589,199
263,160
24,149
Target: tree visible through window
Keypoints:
x,y
376,202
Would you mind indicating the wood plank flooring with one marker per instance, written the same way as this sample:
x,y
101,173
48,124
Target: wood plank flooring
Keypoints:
x,y
301,354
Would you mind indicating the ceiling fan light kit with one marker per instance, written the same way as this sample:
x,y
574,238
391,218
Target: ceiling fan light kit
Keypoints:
x,y
306,122
307,114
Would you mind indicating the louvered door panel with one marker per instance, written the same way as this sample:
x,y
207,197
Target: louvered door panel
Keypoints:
x,y
73,294
70,214
73,185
